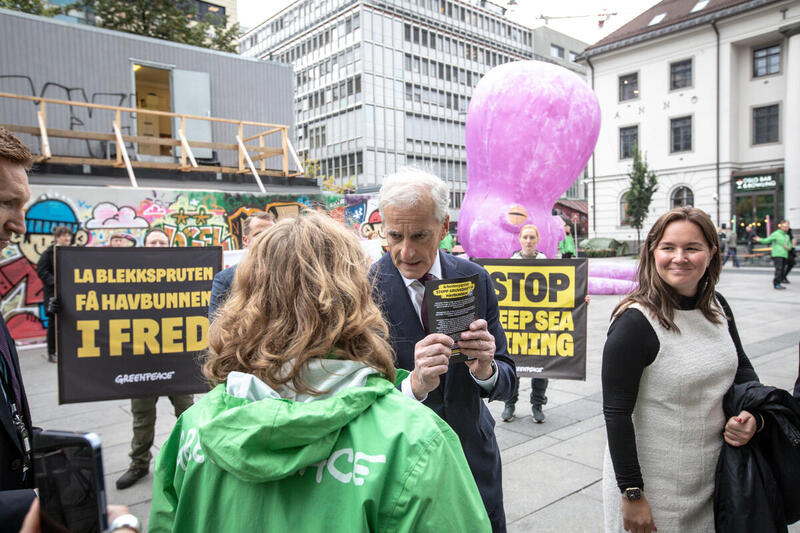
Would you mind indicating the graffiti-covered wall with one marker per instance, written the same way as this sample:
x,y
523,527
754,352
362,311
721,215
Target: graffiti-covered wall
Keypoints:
x,y
190,218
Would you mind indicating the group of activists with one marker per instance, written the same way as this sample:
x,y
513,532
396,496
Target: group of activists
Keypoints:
x,y
334,408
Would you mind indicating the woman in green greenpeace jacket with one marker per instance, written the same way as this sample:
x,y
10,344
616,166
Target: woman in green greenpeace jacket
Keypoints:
x,y
305,430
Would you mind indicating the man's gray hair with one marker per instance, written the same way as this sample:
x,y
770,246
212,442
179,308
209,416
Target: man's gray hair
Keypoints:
x,y
409,186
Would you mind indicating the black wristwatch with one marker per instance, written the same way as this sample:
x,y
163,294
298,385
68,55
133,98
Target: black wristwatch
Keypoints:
x,y
633,494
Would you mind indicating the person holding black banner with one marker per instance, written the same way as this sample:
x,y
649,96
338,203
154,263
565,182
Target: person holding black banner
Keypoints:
x,y
254,225
143,410
62,236
672,353
529,240
304,430
413,208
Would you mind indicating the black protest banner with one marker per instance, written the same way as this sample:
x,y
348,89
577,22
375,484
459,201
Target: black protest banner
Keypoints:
x,y
543,312
132,321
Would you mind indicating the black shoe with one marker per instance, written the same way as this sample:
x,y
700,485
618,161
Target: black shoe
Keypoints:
x,y
508,412
51,358
538,414
785,281
131,476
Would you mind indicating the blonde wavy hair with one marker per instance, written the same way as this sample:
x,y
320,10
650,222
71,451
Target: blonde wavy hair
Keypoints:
x,y
301,292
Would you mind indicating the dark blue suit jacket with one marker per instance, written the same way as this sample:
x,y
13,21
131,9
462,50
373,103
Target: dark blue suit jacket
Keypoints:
x,y
220,288
458,399
15,491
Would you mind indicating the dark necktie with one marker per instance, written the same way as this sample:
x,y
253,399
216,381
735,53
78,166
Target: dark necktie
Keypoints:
x,y
423,312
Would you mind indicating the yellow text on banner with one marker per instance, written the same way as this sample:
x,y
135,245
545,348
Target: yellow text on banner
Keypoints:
x,y
534,286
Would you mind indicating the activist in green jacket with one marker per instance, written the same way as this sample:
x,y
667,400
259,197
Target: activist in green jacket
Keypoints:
x,y
781,243
566,247
305,430
364,459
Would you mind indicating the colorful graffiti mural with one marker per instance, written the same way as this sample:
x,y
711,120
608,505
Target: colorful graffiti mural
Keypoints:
x,y
190,218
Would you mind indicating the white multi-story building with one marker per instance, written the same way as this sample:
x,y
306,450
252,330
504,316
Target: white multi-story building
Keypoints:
x,y
385,83
709,90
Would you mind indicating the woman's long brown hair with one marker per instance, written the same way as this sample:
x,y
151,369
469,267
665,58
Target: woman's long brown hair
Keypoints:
x,y
654,294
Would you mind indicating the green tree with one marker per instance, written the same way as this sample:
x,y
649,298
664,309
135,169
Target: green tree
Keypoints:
x,y
34,7
643,185
163,19
333,185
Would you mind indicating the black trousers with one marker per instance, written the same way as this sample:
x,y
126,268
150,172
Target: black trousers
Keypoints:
x,y
51,334
780,270
789,264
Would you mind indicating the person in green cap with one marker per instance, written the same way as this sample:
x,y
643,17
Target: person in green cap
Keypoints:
x,y
305,430
781,244
567,245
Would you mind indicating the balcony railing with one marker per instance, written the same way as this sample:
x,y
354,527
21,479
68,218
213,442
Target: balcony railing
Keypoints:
x,y
247,155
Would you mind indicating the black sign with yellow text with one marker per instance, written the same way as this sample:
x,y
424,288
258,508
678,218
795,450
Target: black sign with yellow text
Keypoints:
x,y
132,321
543,312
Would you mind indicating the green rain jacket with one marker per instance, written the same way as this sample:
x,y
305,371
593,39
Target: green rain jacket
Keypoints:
x,y
362,457
567,245
780,243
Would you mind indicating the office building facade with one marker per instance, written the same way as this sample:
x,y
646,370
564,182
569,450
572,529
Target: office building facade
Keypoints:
x,y
386,83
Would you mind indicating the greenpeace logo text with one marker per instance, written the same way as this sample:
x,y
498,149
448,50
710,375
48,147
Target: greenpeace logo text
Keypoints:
x,y
143,377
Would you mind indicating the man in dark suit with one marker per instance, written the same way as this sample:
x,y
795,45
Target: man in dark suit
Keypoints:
x,y
254,225
414,210
16,475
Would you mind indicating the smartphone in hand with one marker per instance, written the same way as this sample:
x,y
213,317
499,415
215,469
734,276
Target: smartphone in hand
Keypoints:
x,y
68,470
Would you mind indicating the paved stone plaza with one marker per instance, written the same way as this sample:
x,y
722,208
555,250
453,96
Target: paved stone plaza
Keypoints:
x,y
552,471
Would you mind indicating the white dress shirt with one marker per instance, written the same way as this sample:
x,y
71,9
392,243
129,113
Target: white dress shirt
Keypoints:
x,y
416,292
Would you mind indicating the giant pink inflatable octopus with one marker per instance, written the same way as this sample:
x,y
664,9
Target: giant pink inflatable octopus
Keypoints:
x,y
531,129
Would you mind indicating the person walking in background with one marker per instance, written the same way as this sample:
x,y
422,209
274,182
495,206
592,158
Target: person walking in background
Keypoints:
x,y
781,244
45,268
143,410
305,430
730,245
750,238
254,225
671,354
722,239
567,245
791,257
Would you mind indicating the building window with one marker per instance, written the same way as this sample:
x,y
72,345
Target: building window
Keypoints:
x,y
765,124
682,197
573,56
681,129
628,87
556,51
204,9
767,60
628,139
680,74
623,210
